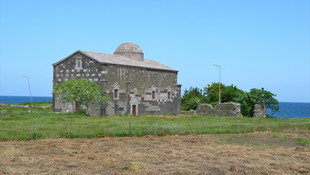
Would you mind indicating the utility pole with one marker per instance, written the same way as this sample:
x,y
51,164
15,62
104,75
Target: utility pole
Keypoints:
x,y
219,82
28,86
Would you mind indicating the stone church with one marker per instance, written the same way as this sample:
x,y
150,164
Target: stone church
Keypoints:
x,y
135,85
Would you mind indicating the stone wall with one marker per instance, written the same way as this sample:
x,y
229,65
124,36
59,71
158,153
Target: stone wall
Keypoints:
x,y
259,110
134,86
224,109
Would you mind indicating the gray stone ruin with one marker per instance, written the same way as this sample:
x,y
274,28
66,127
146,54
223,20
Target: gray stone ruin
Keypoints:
x,y
259,110
228,109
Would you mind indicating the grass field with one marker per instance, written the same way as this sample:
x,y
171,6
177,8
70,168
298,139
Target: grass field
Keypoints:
x,y
42,103
276,147
15,124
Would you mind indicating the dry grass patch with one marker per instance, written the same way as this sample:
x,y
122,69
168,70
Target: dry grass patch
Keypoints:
x,y
191,154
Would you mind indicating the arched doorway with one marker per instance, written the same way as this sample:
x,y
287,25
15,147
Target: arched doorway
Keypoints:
x,y
134,106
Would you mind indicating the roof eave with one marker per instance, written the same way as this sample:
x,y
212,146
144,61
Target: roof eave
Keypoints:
x,y
101,62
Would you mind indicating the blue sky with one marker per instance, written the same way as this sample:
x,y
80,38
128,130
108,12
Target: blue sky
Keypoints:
x,y
258,43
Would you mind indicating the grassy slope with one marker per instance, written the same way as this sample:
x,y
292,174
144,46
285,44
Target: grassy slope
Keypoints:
x,y
15,124
42,103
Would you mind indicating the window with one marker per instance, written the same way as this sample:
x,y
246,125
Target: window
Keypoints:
x,y
116,87
115,93
169,95
153,94
78,63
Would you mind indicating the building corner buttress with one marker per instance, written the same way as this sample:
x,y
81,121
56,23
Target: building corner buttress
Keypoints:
x,y
178,97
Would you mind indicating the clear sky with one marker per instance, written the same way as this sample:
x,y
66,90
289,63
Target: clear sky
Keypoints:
x,y
258,43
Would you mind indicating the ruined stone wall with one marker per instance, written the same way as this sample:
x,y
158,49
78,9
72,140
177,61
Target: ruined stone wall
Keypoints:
x,y
134,86
229,109
205,109
259,110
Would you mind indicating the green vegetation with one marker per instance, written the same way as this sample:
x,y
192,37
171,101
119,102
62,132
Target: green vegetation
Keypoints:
x,y
42,103
15,124
194,96
303,142
81,91
256,96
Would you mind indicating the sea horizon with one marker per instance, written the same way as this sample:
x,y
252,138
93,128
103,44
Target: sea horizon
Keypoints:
x,y
6,99
52,96
22,96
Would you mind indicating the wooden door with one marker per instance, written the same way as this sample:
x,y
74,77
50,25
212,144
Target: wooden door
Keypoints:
x,y
134,110
77,107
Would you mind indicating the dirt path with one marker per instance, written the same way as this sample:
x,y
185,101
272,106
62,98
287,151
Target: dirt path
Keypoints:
x,y
257,153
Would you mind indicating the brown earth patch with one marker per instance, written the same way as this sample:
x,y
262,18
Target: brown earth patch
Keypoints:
x,y
190,154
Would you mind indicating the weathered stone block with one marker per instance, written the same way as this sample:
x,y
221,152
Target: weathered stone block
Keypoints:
x,y
259,110
229,109
205,109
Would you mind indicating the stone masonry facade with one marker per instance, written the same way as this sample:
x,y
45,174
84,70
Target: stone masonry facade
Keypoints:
x,y
136,86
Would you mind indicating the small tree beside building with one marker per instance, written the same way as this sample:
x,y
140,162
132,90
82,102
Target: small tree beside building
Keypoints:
x,y
81,92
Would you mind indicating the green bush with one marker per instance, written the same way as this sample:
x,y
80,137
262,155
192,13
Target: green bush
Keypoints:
x,y
81,112
214,103
195,96
192,98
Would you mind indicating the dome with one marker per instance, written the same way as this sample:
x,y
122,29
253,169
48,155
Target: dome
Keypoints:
x,y
130,50
129,47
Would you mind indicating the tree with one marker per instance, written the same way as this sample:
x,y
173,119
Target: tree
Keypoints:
x,y
195,96
256,96
192,98
246,99
82,92
228,93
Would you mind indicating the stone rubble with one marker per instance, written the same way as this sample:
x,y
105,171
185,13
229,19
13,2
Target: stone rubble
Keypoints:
x,y
228,109
259,110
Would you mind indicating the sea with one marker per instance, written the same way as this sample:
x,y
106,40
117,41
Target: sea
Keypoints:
x,y
291,110
287,109
22,99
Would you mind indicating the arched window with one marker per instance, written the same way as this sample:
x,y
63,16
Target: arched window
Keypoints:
x,y
116,91
169,93
153,92
78,62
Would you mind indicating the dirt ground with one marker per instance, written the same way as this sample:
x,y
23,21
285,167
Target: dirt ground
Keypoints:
x,y
254,153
